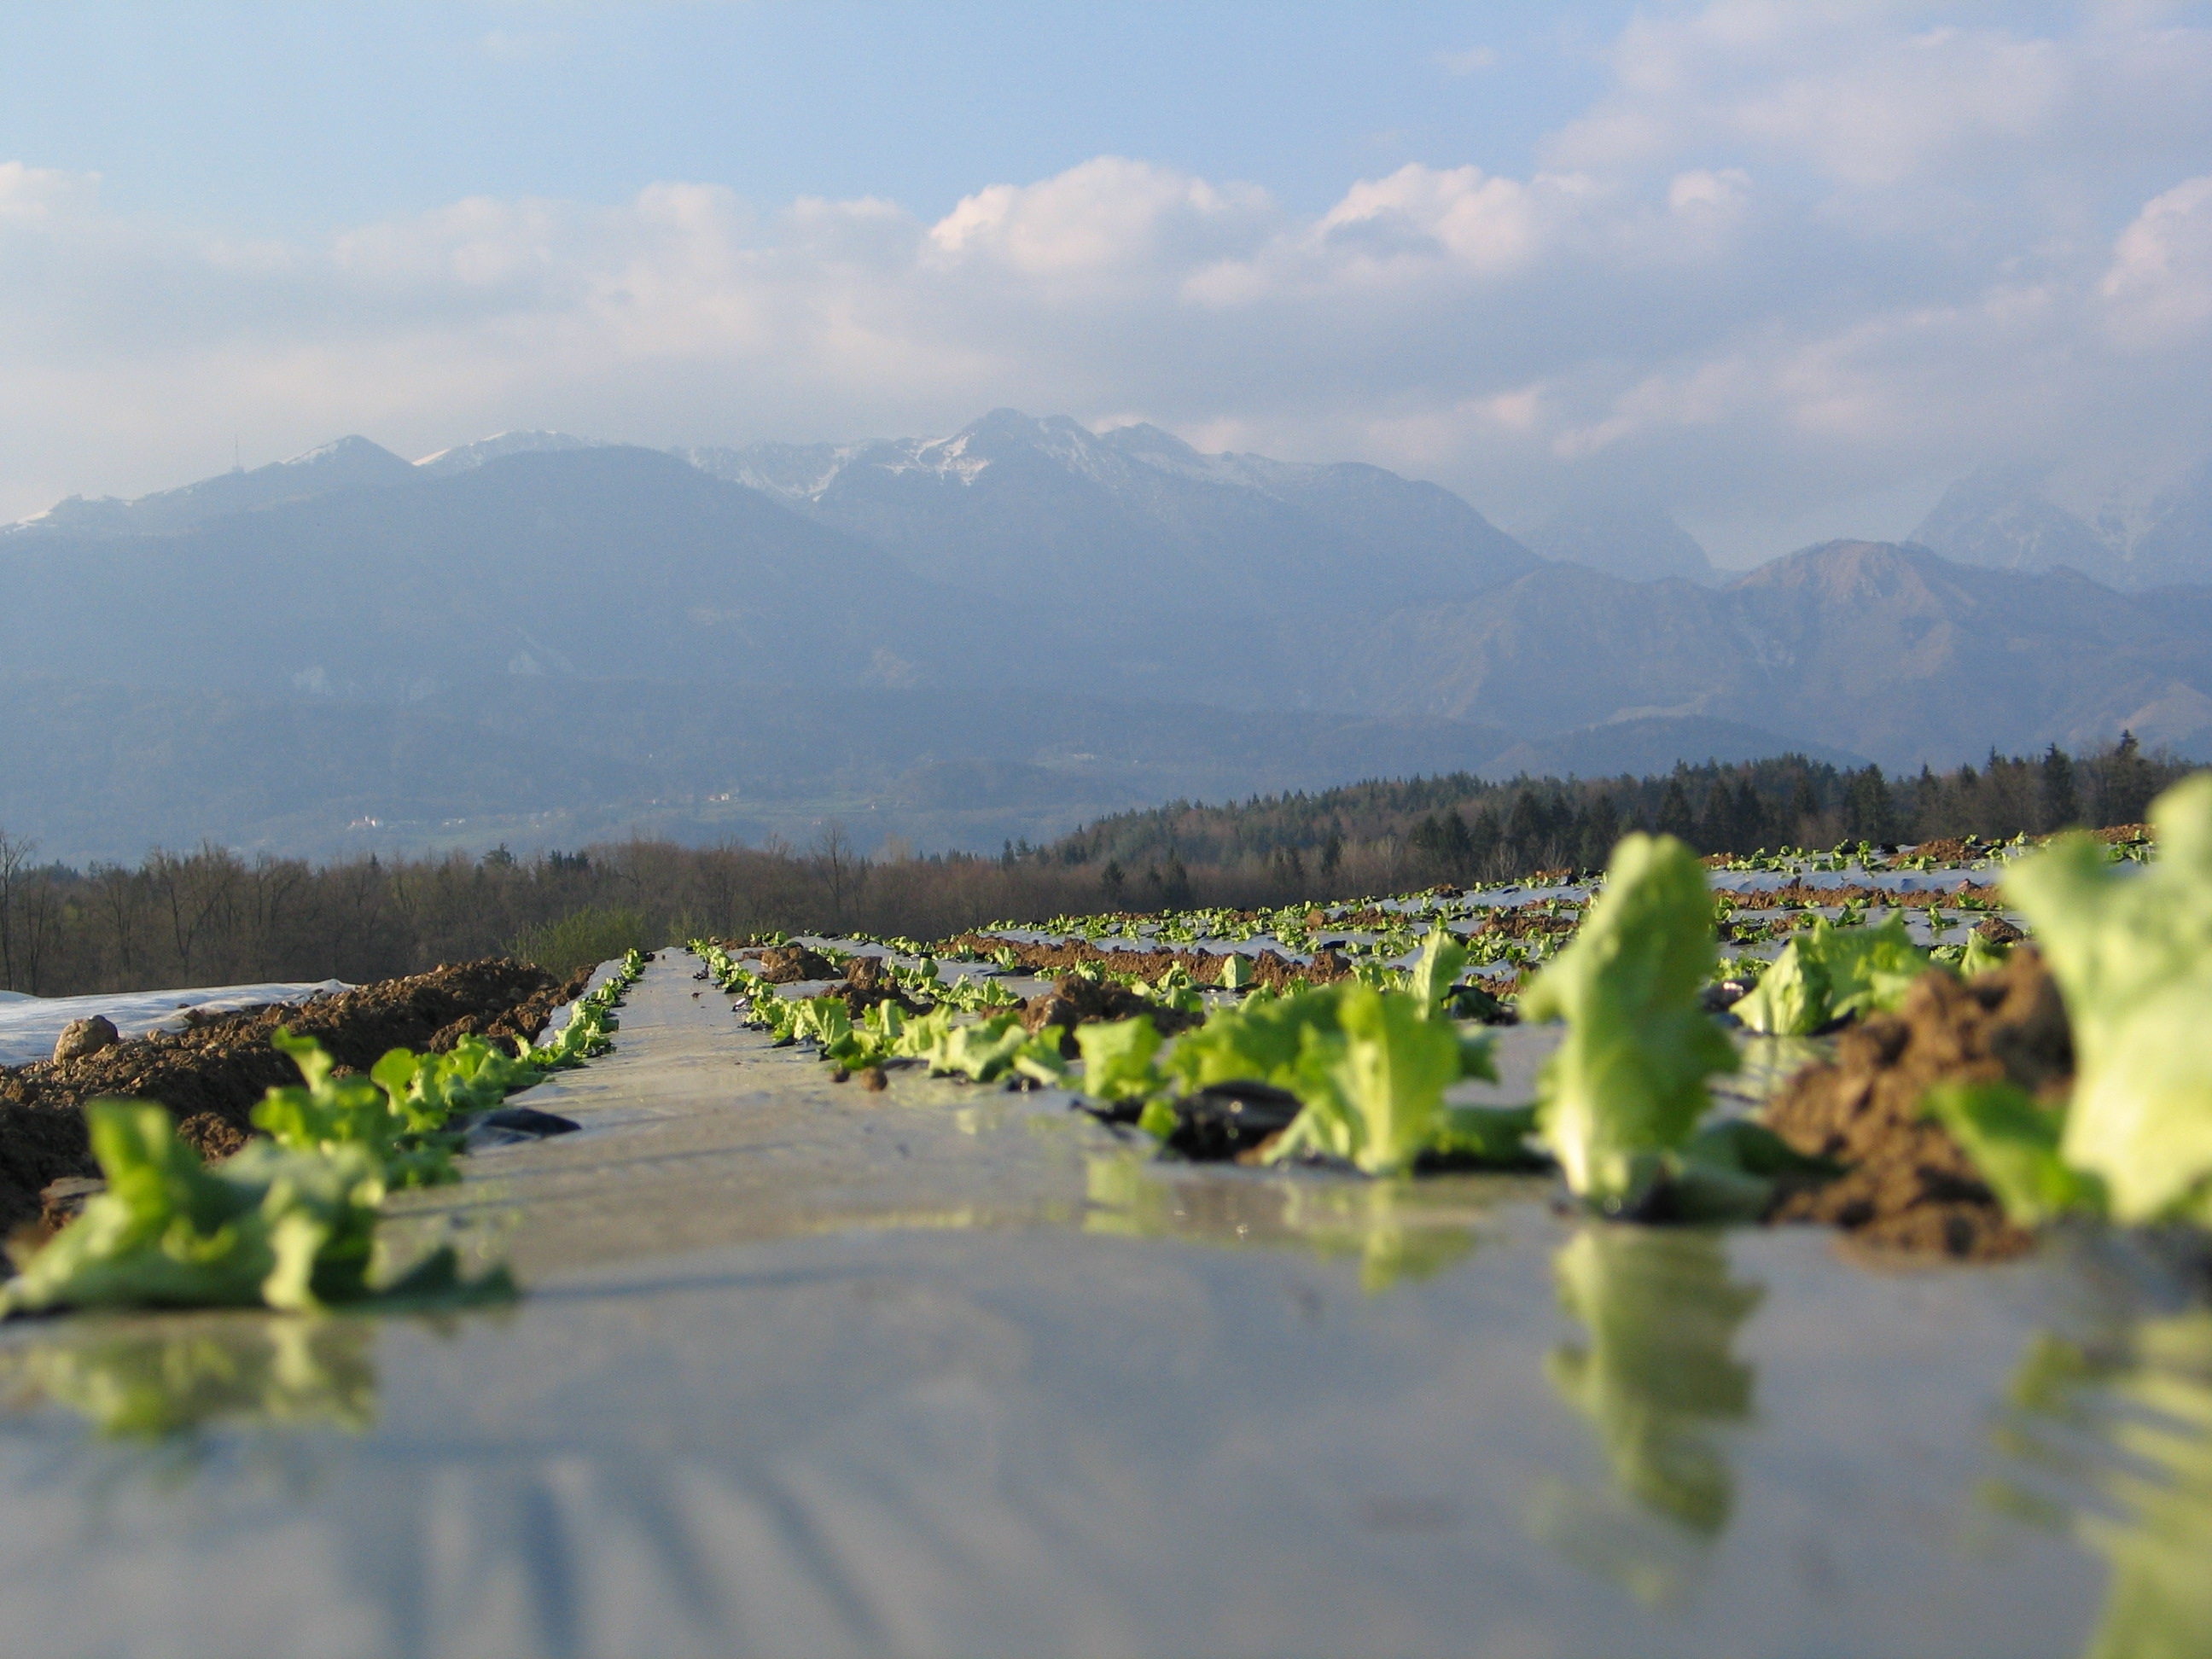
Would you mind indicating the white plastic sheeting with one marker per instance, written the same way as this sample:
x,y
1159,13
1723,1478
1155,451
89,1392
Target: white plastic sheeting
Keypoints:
x,y
28,1025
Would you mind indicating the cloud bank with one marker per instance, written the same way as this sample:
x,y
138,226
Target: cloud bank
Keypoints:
x,y
1794,257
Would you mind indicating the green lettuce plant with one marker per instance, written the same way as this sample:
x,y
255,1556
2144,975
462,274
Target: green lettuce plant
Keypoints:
x,y
2131,950
281,1228
1372,1090
1118,1059
374,1115
1626,1086
1832,973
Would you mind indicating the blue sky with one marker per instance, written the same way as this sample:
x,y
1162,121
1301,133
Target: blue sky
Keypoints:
x,y
1787,265
296,119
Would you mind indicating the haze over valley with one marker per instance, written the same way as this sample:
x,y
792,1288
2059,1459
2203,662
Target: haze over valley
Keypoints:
x,y
538,639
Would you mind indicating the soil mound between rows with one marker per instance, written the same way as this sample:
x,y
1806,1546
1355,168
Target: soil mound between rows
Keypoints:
x,y
1074,1000
211,1075
1909,1186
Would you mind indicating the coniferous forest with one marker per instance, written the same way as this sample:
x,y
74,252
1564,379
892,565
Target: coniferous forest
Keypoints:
x,y
218,916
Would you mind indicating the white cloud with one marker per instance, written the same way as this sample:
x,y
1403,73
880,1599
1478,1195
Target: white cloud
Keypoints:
x,y
1106,215
1702,190
1783,259
37,193
1871,96
2159,285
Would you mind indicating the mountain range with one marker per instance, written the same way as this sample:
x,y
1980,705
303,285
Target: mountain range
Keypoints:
x,y
538,639
2002,517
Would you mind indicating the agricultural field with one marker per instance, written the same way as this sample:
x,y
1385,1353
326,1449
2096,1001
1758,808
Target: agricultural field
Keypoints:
x,y
1797,1253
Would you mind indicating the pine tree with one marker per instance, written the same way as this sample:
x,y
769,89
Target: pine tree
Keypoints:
x,y
2062,803
1750,827
1601,828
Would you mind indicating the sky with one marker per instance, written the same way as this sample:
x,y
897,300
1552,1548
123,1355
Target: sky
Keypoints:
x,y
1786,269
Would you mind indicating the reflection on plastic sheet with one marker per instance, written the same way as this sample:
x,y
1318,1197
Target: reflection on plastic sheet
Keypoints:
x,y
2112,1440
146,1380
1398,1231
1655,1375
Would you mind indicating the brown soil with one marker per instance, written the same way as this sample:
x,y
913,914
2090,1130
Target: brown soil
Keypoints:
x,y
1522,920
789,963
864,986
1950,850
211,1075
1797,895
1910,1187
1075,1000
1268,969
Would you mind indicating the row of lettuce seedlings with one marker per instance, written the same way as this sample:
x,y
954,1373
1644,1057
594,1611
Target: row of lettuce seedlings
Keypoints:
x,y
288,1221
1361,1067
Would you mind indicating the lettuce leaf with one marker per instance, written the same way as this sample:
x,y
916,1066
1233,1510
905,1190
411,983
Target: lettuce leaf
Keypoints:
x,y
1259,1041
1118,1058
1832,973
1442,958
2131,949
2014,1144
1628,1083
980,1051
1373,1091
371,1113
289,1229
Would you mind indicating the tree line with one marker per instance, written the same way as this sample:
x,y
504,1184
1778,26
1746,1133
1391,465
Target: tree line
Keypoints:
x,y
217,916
1460,827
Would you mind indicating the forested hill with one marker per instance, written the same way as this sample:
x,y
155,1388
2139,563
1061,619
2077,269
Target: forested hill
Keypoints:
x,y
1459,827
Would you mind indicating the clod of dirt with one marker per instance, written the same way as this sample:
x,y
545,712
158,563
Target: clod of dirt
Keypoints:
x,y
1910,1187
211,1076
1074,1000
216,1137
64,1199
81,1037
1998,931
865,971
786,964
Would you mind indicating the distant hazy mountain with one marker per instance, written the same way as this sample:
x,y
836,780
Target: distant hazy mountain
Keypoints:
x,y
2000,517
1137,529
1889,651
103,770
1632,539
465,458
591,562
2176,544
538,639
348,464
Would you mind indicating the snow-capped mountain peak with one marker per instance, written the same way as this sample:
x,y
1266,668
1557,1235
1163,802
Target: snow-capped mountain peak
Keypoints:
x,y
465,458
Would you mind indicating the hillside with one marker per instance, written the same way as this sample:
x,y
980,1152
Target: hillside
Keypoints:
x,y
1136,532
2000,517
100,772
1886,650
591,563
993,637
